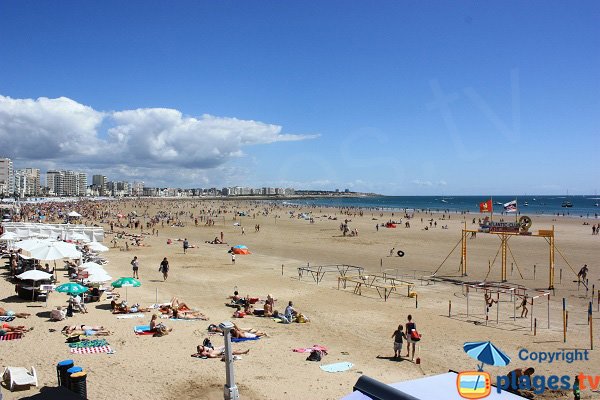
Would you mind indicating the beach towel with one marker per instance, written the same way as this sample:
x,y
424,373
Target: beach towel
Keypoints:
x,y
88,343
5,318
142,330
309,349
187,319
92,350
130,316
337,367
11,336
243,339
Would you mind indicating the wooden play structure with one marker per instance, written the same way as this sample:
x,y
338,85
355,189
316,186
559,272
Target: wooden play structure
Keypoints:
x,y
505,231
384,284
318,271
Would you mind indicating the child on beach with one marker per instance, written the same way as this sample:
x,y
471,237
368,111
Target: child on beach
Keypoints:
x,y
233,258
398,335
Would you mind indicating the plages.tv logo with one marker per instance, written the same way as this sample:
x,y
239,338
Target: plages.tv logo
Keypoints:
x,y
478,384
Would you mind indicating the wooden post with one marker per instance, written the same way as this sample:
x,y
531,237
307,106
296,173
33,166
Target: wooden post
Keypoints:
x,y
449,308
497,306
380,264
548,311
467,302
416,300
560,276
512,267
591,334
532,301
534,267
534,326
281,269
564,321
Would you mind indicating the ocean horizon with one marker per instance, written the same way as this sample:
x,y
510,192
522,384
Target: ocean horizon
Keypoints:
x,y
582,206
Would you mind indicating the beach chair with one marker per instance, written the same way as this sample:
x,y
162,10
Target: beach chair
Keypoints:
x,y
19,376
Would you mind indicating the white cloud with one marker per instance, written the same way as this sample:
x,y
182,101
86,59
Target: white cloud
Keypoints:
x,y
135,143
420,182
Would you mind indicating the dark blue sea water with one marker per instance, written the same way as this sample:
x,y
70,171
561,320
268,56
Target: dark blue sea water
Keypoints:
x,y
583,206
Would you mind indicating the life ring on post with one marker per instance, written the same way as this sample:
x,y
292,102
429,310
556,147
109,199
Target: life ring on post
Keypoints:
x,y
400,253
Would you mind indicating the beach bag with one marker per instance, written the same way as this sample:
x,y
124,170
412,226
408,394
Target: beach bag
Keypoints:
x,y
415,336
315,355
73,339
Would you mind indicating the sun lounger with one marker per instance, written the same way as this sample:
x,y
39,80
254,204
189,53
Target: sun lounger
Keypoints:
x,y
19,376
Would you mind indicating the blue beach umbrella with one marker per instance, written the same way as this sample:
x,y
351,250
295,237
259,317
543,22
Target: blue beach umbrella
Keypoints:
x,y
486,353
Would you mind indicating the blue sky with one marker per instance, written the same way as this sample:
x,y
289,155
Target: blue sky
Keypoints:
x,y
394,97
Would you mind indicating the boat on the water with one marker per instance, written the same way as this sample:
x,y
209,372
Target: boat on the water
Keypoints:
x,y
567,204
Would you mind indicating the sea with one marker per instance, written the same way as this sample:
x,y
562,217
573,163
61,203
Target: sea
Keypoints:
x,y
583,206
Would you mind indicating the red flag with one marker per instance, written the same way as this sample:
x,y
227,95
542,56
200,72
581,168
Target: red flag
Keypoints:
x,y
486,206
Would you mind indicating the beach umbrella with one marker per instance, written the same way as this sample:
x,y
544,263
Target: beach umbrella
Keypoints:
x,y
97,246
486,353
74,214
71,288
35,275
55,251
240,249
98,277
30,244
91,267
7,236
126,282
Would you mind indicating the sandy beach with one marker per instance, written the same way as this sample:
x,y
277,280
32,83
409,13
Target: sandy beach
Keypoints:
x,y
354,328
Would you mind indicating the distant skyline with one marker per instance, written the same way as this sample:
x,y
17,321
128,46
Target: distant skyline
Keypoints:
x,y
391,97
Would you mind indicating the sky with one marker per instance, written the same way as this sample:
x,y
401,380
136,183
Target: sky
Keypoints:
x,y
390,97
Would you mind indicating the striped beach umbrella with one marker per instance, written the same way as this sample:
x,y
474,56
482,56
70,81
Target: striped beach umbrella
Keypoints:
x,y
486,353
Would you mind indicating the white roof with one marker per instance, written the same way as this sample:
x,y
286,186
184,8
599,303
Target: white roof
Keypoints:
x,y
441,386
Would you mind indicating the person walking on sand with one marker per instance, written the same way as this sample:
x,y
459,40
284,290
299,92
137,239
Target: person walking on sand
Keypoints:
x,y
135,264
221,237
233,258
398,335
186,245
164,268
410,326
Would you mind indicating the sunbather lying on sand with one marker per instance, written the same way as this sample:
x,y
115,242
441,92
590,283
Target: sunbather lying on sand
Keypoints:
x,y
179,306
248,334
216,240
88,330
8,313
238,332
6,328
123,308
207,352
189,314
